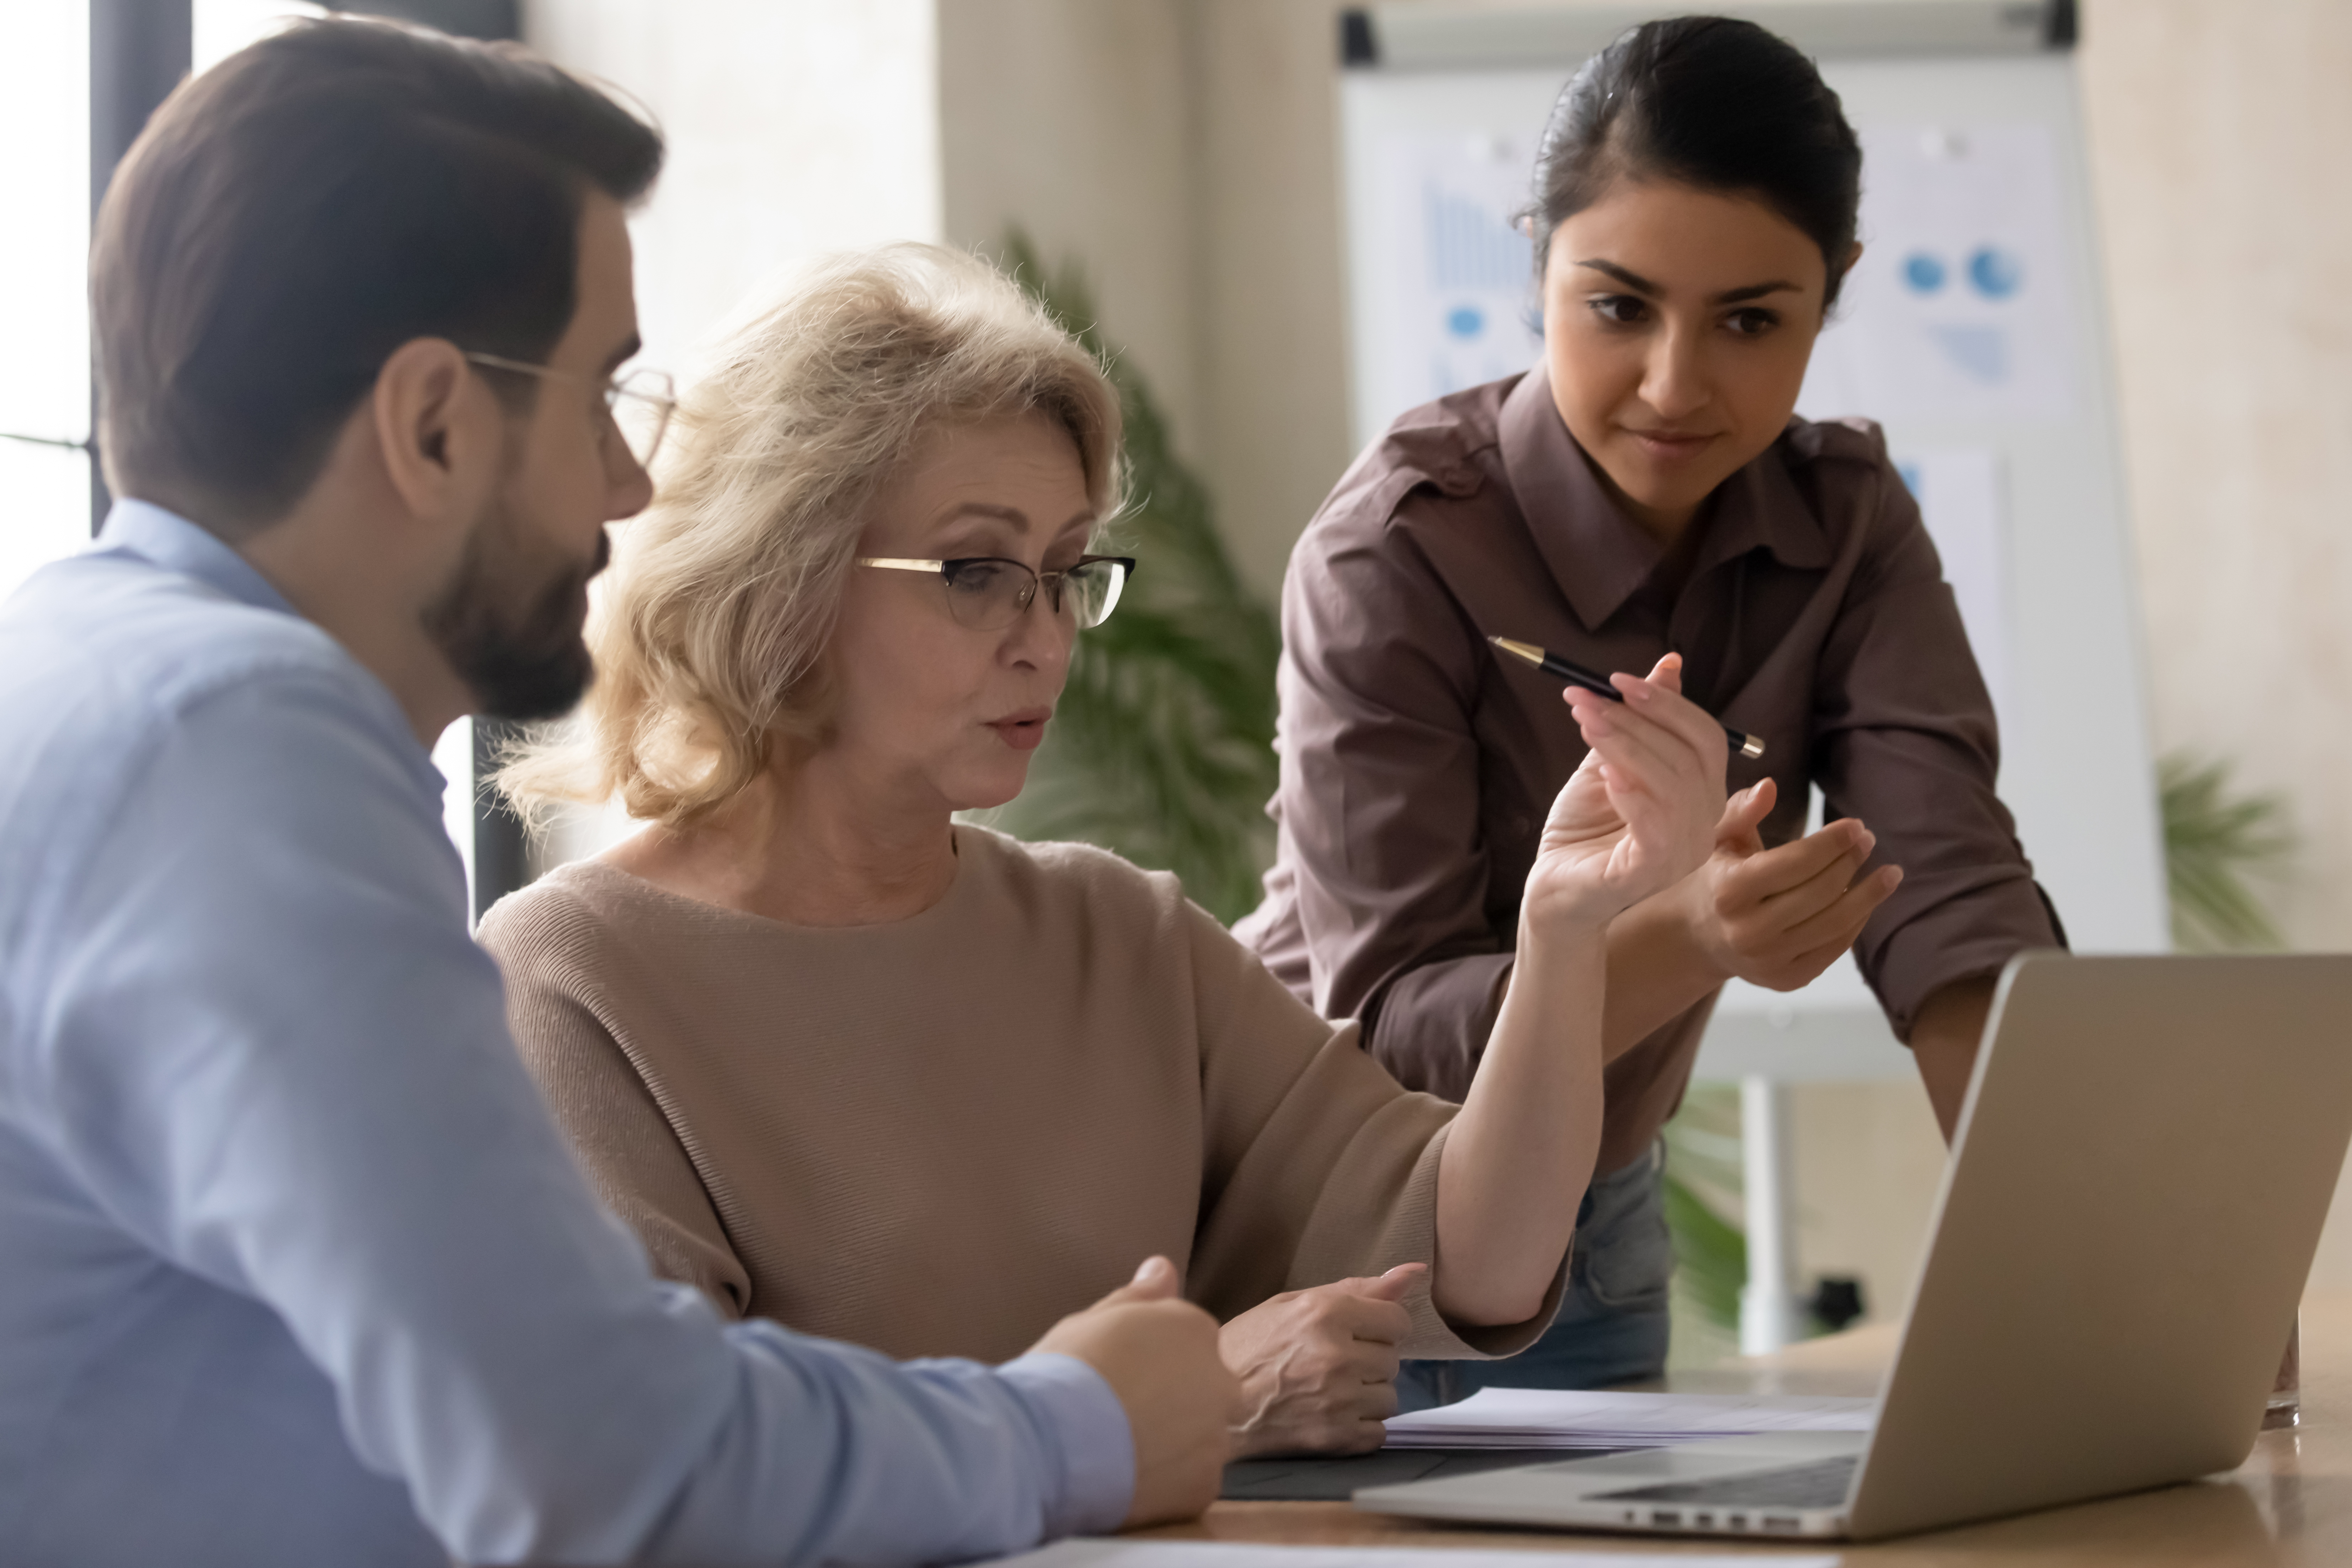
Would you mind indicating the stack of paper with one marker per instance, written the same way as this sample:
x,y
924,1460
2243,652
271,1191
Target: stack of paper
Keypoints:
x,y
1132,1553
1554,1418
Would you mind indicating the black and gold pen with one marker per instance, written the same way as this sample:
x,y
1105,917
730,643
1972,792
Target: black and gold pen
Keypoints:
x,y
1550,663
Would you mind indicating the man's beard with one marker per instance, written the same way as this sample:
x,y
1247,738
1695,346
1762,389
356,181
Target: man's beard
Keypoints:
x,y
510,622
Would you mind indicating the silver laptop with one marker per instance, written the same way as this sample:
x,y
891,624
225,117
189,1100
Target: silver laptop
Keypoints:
x,y
2143,1166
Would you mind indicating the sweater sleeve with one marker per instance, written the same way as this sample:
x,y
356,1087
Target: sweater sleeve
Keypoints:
x,y
1319,1166
615,1127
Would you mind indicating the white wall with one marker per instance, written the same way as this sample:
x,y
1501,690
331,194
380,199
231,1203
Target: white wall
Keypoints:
x,y
45,333
1183,151
795,127
1274,332
2216,132
1075,120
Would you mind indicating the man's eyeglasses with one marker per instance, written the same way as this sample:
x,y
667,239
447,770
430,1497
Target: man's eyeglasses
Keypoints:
x,y
639,404
988,593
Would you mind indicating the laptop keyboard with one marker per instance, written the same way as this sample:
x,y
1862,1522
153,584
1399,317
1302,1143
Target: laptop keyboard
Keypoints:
x,y
1820,1485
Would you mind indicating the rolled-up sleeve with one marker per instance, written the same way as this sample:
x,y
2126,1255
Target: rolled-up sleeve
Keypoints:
x,y
1905,739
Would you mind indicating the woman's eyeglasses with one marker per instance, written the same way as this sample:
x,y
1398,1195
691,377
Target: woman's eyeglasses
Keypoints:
x,y
988,593
638,403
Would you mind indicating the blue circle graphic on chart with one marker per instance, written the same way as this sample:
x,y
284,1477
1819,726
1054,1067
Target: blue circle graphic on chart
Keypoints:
x,y
1997,273
1923,271
1466,321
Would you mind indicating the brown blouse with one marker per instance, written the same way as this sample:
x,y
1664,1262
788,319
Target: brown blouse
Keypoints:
x,y
1417,767
937,1135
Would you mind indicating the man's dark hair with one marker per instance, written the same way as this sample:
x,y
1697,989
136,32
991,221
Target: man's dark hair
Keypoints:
x,y
294,215
1710,102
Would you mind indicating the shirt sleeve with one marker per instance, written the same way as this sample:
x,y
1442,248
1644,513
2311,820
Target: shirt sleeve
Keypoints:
x,y
1379,805
1320,1165
617,1130
1905,738
269,1047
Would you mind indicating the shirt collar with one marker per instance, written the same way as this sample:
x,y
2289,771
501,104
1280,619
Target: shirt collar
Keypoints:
x,y
160,535
1760,507
1598,554
171,541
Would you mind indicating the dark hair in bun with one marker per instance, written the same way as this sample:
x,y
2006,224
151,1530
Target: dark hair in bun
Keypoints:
x,y
1706,102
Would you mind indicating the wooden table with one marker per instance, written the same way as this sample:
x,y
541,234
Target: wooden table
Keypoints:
x,y
2289,1504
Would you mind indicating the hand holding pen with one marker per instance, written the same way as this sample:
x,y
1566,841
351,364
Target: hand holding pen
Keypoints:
x,y
1773,917
1637,815
1550,663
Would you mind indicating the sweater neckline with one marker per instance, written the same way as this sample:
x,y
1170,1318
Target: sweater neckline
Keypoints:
x,y
972,844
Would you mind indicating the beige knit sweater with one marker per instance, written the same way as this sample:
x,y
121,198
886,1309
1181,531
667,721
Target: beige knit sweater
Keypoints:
x,y
937,1136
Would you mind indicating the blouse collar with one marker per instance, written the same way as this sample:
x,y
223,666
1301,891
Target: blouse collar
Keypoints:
x,y
1599,556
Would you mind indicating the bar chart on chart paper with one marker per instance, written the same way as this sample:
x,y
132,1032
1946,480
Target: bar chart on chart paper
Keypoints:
x,y
1453,274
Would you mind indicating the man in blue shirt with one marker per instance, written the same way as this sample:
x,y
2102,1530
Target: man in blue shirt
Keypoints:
x,y
293,1266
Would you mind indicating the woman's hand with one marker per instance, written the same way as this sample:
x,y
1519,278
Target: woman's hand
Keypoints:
x,y
1319,1367
1777,918
1637,817
1639,814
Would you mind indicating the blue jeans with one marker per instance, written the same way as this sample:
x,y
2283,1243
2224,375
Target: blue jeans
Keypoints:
x,y
1611,1326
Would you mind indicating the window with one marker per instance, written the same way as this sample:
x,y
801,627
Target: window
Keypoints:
x,y
218,28
45,321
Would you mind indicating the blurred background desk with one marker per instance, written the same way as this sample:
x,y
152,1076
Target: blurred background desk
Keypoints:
x,y
2290,1504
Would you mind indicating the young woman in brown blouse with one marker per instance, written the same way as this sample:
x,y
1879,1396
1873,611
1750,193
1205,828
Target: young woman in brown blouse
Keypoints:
x,y
1643,489
844,1063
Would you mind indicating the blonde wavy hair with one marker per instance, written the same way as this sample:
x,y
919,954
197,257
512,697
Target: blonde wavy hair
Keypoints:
x,y
711,624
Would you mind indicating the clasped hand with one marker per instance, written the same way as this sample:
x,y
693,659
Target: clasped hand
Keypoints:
x,y
1306,1370
1318,1366
1640,813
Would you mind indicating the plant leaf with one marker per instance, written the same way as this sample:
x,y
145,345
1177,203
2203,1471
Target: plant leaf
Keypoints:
x,y
2216,846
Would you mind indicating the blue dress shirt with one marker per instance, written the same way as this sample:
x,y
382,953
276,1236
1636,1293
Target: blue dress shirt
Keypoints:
x,y
294,1267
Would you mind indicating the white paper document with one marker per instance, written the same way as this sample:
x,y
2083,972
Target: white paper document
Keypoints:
x,y
1119,1553
1559,1418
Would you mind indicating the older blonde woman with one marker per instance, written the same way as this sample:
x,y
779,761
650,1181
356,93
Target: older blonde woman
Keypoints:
x,y
846,1064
